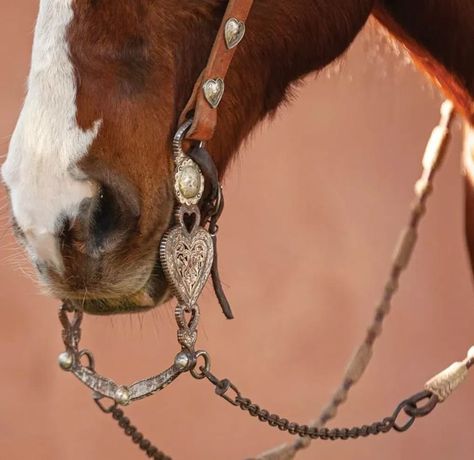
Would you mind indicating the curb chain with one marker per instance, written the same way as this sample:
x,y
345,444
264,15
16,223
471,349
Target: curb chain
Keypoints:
x,y
416,406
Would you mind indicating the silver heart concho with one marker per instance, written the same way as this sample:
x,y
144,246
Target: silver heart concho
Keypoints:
x,y
187,256
234,32
213,91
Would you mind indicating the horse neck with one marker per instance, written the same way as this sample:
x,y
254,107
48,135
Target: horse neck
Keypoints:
x,y
287,40
284,41
439,36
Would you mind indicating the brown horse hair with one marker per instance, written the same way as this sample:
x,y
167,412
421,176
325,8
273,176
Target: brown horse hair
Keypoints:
x,y
136,63
449,83
144,68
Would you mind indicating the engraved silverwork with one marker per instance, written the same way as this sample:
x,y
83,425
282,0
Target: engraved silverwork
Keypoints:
x,y
187,332
213,91
103,387
189,182
187,256
234,32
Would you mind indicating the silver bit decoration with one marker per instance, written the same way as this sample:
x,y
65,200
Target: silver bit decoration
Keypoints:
x,y
104,387
187,256
138,390
122,396
187,332
189,182
66,360
183,360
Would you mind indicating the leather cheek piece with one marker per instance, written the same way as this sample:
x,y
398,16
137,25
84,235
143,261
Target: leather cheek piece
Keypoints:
x,y
220,58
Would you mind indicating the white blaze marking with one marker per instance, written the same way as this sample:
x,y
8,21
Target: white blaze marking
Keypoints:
x,y
47,141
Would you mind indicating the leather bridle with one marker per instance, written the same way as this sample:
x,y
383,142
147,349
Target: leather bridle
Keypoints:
x,y
202,109
188,254
210,86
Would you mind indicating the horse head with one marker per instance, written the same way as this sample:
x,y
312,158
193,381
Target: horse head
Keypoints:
x,y
89,168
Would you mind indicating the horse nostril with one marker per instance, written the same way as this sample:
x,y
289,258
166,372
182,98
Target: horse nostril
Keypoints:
x,y
105,217
104,220
111,219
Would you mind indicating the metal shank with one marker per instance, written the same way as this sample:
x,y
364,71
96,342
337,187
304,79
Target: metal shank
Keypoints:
x,y
70,361
138,390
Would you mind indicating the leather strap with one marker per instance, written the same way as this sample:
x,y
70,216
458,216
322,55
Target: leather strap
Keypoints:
x,y
205,115
230,34
211,209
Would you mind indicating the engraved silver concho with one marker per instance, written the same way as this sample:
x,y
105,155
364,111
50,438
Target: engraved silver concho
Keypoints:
x,y
189,181
186,256
234,32
213,91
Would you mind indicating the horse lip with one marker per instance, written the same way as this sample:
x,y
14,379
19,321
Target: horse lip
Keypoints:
x,y
137,303
154,293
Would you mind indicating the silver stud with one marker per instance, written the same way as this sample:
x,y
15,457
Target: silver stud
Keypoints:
x,y
213,91
65,360
182,361
234,31
122,396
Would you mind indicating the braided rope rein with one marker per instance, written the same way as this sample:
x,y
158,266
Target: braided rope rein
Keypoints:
x,y
432,159
437,389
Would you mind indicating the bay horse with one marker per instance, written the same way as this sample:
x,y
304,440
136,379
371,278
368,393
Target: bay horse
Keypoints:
x,y
89,169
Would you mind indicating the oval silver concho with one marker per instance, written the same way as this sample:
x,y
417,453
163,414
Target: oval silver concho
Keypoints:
x,y
189,182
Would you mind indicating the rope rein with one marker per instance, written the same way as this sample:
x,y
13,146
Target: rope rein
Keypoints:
x,y
436,390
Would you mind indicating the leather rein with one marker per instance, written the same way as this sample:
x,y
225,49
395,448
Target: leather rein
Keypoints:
x,y
188,253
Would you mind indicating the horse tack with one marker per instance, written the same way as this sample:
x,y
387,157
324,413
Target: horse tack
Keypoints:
x,y
188,253
210,86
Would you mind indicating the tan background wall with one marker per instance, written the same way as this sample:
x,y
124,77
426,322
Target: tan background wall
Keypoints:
x,y
303,265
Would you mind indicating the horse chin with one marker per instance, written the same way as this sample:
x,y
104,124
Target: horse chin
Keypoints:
x,y
135,303
155,293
